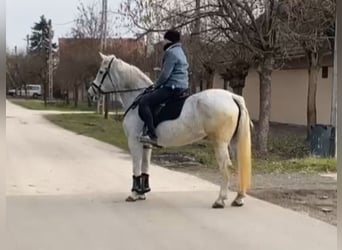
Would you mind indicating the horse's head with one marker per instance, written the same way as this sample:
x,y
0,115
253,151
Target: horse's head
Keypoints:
x,y
104,80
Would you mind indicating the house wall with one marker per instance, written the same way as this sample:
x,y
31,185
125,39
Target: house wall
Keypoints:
x,y
289,95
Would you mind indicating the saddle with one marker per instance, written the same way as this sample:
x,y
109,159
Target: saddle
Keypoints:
x,y
168,110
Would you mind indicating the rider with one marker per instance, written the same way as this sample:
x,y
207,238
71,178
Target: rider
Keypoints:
x,y
172,81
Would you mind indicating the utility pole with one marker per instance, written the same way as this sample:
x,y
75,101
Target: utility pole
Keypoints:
x,y
16,73
104,25
27,44
105,99
333,119
198,20
50,62
101,101
195,37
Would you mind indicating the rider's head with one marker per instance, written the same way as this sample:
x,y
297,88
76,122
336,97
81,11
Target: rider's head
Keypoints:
x,y
172,36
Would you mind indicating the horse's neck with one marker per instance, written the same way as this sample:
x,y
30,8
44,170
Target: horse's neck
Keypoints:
x,y
128,98
132,80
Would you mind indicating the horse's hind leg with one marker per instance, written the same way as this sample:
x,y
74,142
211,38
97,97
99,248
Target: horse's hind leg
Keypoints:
x,y
239,199
223,160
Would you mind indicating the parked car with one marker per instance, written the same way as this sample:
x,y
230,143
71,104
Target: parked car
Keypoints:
x,y
32,90
12,92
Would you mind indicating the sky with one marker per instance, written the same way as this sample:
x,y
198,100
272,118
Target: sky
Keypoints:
x,y
22,14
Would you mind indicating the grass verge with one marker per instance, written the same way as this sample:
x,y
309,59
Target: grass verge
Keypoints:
x,y
287,154
58,105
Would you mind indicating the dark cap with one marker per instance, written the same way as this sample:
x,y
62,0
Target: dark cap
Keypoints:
x,y
172,35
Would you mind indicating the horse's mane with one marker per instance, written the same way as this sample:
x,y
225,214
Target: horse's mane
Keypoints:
x,y
124,67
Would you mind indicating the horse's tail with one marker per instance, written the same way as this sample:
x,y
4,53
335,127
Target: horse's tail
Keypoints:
x,y
244,152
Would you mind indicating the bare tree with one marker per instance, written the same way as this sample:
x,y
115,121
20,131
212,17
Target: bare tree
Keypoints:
x,y
257,26
146,16
15,70
38,68
232,62
78,63
88,23
311,24
203,59
25,68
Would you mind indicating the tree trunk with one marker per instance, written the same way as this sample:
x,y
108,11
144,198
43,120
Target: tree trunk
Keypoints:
x,y
235,75
194,38
265,76
106,106
312,89
201,84
25,87
45,94
237,84
76,96
193,84
210,78
67,97
89,102
237,90
225,84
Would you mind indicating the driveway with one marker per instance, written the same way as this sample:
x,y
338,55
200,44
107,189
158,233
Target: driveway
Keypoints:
x,y
66,191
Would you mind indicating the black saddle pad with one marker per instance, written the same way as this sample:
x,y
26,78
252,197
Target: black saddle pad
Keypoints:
x,y
170,110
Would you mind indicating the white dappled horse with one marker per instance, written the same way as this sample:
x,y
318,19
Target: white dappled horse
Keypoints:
x,y
215,114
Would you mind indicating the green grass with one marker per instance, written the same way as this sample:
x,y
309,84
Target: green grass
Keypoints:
x,y
300,165
92,125
287,154
58,105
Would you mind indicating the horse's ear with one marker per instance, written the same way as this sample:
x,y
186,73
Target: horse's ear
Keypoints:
x,y
102,56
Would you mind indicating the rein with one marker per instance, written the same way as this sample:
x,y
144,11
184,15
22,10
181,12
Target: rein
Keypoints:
x,y
115,91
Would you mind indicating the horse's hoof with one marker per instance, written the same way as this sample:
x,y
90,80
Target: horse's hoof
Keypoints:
x,y
218,205
237,204
141,197
130,199
137,198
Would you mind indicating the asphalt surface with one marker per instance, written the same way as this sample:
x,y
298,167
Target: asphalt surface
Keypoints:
x,y
66,191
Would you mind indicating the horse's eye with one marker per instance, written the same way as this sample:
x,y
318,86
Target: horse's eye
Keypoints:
x,y
101,72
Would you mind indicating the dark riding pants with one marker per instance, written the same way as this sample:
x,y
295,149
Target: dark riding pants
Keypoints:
x,y
152,99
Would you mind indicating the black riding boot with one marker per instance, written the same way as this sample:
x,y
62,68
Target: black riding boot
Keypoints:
x,y
137,184
145,183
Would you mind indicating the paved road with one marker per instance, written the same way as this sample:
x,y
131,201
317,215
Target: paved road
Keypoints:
x,y
66,191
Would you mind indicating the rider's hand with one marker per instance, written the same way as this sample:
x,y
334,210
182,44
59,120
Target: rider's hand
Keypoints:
x,y
151,87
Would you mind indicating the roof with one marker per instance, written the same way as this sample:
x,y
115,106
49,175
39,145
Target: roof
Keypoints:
x,y
121,47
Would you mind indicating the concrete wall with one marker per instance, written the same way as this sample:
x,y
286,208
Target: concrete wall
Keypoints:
x,y
289,95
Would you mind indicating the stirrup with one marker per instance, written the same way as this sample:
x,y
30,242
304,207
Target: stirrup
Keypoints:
x,y
145,139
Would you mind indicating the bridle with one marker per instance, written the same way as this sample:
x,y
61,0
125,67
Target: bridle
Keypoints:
x,y
106,73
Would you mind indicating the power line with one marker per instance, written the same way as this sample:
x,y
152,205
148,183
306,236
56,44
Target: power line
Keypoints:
x,y
69,22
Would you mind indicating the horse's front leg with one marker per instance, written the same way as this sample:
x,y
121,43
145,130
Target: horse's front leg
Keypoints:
x,y
145,167
136,149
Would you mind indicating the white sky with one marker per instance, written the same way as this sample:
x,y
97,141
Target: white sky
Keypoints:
x,y
22,14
